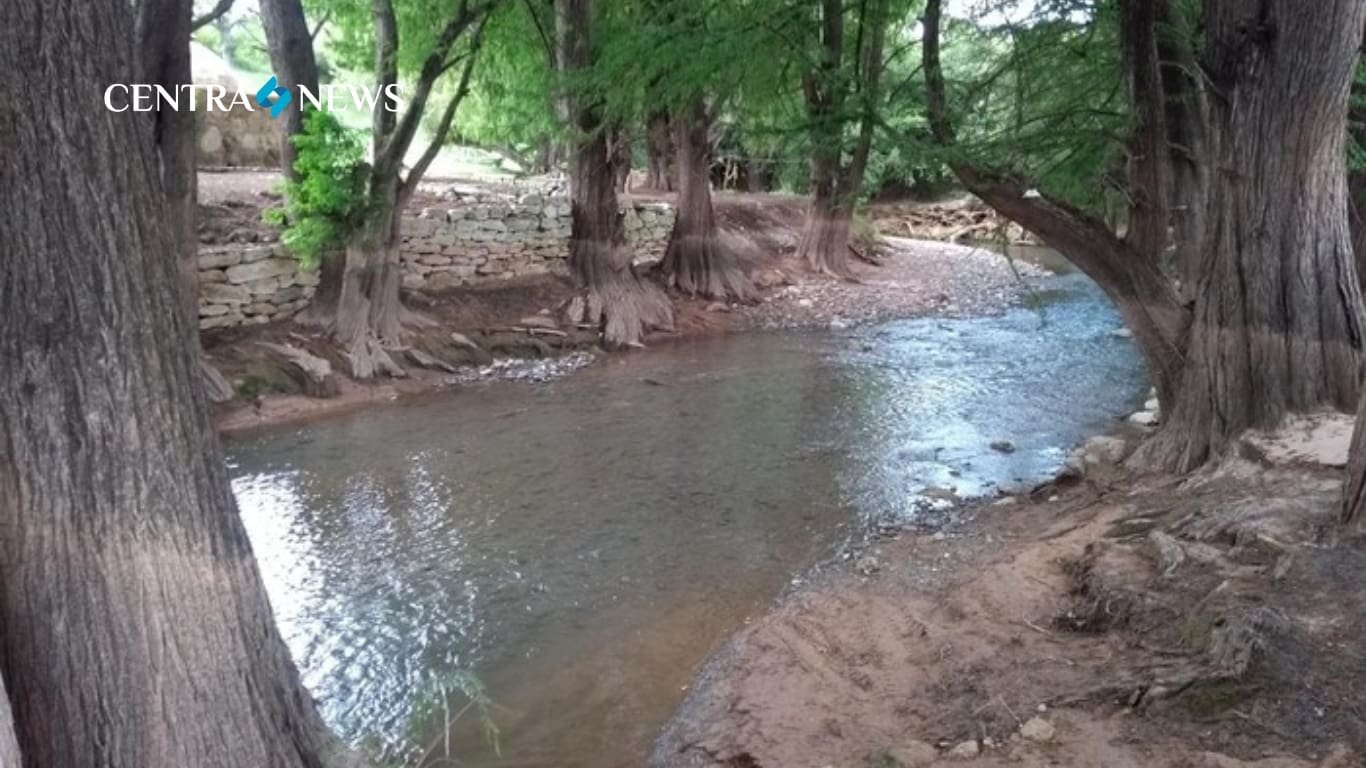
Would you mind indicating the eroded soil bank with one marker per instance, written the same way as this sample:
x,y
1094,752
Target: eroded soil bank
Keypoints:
x,y
1104,620
472,332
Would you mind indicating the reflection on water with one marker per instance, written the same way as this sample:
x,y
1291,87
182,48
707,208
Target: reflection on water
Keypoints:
x,y
582,545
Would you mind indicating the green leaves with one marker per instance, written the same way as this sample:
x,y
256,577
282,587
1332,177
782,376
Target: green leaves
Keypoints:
x,y
328,201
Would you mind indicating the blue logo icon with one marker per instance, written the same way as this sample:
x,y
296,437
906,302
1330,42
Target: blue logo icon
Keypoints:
x,y
274,97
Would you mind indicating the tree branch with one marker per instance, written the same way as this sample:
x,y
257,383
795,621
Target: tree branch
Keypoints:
x,y
212,16
443,128
1141,292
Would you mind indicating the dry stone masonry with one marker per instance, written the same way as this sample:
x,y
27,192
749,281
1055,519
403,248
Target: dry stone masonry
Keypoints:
x,y
477,240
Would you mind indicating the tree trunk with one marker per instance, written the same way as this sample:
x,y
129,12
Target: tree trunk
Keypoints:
x,y
134,628
163,36
659,146
613,296
696,261
9,744
291,56
1187,115
1278,319
1354,492
824,244
366,316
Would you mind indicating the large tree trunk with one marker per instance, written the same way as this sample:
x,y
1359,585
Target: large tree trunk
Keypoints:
x,y
1186,117
824,244
9,744
291,56
134,628
659,147
358,300
1278,319
696,261
163,48
613,297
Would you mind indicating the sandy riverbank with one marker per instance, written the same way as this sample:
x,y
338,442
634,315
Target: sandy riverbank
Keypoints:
x,y
1109,620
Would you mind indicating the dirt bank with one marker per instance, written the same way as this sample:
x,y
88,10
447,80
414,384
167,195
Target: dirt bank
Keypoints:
x,y
285,371
1118,621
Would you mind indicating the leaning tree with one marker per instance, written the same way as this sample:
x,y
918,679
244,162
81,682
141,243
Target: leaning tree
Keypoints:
x,y
135,631
1274,322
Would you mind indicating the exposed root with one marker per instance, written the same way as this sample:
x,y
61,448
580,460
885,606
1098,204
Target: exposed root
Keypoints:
x,y
824,245
368,358
216,387
311,373
702,266
623,307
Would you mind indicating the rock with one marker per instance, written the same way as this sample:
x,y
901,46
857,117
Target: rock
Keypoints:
x,y
1121,333
1144,418
1106,449
966,751
1151,404
838,323
1038,729
805,303
769,278
260,270
1003,446
867,565
914,754
222,293
219,259
718,306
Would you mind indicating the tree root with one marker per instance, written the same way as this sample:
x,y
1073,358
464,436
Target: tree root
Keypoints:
x,y
624,308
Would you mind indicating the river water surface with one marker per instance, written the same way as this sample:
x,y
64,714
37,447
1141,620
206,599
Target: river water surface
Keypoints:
x,y
582,545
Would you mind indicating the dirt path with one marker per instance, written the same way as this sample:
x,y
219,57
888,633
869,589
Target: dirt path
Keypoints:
x,y
1120,622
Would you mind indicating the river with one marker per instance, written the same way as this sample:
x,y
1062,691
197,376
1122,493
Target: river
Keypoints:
x,y
581,546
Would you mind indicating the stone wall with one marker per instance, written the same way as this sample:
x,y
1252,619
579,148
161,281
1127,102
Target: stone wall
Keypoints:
x,y
487,239
237,138
495,238
246,285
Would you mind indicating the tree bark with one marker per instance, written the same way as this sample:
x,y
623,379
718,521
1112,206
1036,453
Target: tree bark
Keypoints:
x,y
134,628
828,89
659,146
1187,115
290,43
1278,318
613,297
9,744
695,260
163,37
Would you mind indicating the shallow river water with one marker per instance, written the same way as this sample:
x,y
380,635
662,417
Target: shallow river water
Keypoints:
x,y
580,546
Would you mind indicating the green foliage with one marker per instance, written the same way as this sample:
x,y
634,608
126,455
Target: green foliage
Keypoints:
x,y
328,200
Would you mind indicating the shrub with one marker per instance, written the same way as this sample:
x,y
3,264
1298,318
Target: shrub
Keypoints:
x,y
327,200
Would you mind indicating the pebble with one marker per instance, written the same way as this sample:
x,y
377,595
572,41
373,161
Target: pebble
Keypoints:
x,y
966,751
1038,729
1003,446
914,754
